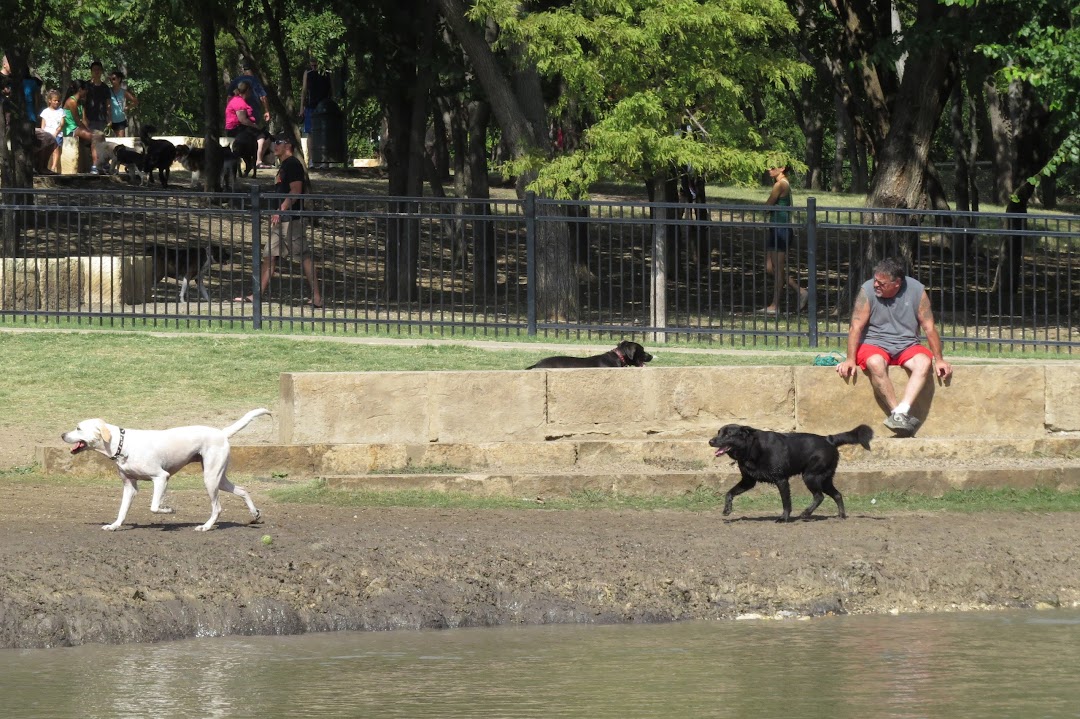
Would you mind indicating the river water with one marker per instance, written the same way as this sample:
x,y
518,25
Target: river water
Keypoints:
x,y
1000,664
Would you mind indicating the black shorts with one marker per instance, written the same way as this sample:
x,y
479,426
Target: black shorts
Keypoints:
x,y
118,126
234,132
778,240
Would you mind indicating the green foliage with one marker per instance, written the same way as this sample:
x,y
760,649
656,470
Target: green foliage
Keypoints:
x,y
640,73
1037,42
318,34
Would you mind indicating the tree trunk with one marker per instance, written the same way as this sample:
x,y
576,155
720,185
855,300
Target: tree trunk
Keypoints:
x,y
962,174
208,74
1001,142
485,267
519,111
845,143
903,175
860,34
812,121
16,164
1032,121
902,166
280,96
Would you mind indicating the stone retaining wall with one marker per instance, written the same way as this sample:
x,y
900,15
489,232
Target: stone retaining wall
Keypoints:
x,y
1022,400
64,283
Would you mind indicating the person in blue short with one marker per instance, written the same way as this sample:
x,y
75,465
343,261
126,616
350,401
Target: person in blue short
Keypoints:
x,y
776,244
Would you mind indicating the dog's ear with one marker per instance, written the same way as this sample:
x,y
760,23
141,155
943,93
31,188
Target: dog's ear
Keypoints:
x,y
627,348
103,431
744,432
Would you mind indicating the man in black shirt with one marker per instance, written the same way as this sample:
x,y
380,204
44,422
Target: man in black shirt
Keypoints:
x,y
288,235
98,100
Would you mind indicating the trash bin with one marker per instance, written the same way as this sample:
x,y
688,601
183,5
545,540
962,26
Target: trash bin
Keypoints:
x,y
326,143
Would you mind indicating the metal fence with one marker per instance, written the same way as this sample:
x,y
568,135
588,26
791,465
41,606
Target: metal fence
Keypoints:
x,y
663,272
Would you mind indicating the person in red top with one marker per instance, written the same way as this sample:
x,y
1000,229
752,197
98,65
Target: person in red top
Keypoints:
x,y
237,112
288,233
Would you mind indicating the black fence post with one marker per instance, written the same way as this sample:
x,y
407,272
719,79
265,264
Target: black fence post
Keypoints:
x,y
530,261
811,269
256,258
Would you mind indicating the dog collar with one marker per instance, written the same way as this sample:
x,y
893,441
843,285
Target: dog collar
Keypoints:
x,y
621,356
119,447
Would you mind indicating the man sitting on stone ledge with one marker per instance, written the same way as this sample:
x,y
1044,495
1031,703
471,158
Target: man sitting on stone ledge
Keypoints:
x,y
885,323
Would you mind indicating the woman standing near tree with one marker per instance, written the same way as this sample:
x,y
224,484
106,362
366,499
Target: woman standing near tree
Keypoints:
x,y
776,246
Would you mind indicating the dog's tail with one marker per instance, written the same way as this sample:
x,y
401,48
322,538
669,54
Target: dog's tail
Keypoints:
x,y
243,421
860,435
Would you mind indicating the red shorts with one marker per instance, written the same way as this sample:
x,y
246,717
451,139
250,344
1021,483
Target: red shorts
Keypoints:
x,y
867,351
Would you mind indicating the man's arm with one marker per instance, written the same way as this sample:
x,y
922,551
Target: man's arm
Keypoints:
x,y
860,317
926,321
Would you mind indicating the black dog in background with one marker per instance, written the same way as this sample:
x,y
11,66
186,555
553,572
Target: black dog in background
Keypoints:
x,y
194,161
246,146
157,155
132,161
775,457
626,354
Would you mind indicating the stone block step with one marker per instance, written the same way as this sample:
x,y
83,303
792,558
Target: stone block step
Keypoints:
x,y
922,477
575,456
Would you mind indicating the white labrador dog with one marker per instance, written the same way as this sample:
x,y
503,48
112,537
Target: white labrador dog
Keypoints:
x,y
158,454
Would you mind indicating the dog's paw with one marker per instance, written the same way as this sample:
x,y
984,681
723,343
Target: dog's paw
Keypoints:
x,y
110,527
257,517
162,510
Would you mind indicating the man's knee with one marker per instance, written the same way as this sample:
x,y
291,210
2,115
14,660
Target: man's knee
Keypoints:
x,y
877,365
919,364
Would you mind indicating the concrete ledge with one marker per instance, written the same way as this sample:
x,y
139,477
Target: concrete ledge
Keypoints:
x,y
70,282
980,401
1025,400
600,457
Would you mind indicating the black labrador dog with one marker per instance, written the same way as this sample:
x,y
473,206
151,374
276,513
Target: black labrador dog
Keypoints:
x,y
245,146
775,457
626,354
157,155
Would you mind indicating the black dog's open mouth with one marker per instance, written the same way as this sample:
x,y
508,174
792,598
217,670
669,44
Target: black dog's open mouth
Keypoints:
x,y
721,451
79,446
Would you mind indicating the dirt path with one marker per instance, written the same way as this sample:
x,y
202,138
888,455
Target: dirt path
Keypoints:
x,y
65,581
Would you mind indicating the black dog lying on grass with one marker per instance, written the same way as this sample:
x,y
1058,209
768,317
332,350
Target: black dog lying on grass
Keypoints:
x,y
775,457
626,354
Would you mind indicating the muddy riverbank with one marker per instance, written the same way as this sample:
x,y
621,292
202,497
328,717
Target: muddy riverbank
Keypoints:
x,y
64,581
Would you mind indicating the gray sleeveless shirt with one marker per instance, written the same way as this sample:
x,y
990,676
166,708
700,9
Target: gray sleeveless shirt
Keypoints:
x,y
894,323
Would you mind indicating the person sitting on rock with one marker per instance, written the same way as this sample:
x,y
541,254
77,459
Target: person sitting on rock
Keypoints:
x,y
889,312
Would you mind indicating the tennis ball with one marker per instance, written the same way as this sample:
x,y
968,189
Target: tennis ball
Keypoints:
x,y
267,540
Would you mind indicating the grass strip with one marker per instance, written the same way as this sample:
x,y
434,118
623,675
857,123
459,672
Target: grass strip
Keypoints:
x,y
974,500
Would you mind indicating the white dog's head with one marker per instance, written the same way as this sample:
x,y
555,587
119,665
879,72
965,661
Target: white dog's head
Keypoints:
x,y
89,434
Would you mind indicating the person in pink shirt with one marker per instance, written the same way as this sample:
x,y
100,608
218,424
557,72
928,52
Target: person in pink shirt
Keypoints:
x,y
237,111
